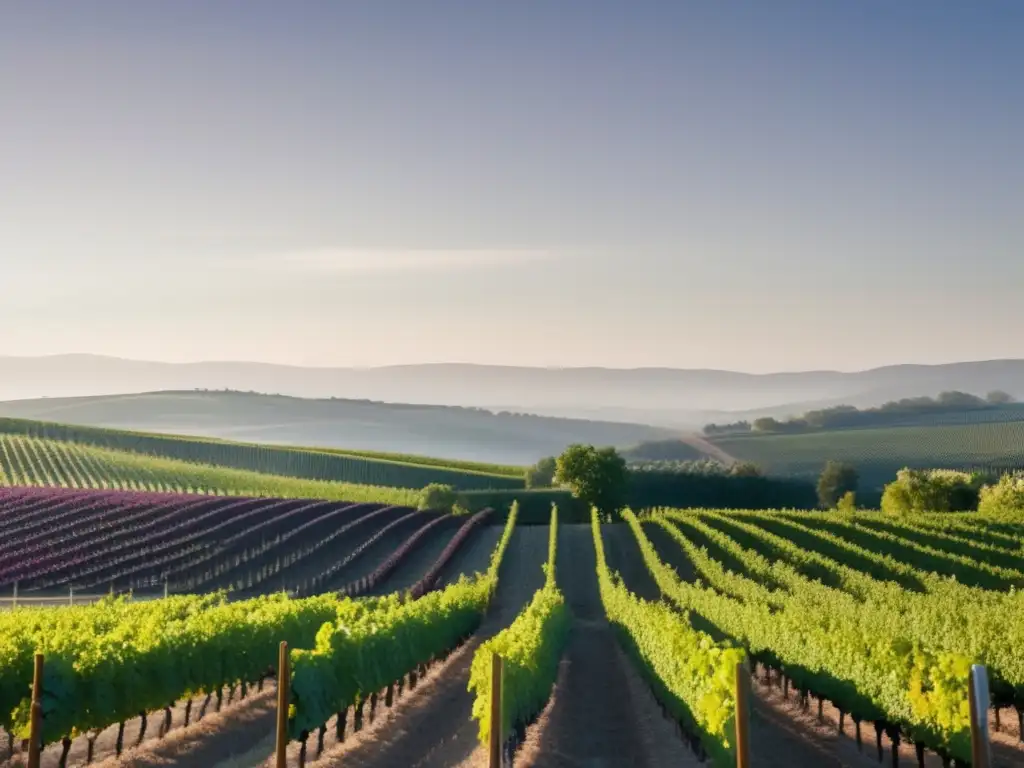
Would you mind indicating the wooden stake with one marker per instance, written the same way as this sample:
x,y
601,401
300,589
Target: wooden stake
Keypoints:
x,y
981,750
283,700
742,716
36,723
494,743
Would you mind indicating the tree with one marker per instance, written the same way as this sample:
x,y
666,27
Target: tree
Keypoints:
x,y
596,476
836,479
541,474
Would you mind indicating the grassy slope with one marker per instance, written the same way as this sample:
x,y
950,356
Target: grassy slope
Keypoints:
x,y
880,452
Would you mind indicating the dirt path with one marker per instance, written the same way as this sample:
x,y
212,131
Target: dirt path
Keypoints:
x,y
706,446
417,561
216,737
374,555
624,555
601,713
432,725
474,556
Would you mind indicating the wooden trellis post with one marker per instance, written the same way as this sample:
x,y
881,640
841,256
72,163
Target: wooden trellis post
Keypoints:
x,y
35,735
495,740
742,715
283,698
981,748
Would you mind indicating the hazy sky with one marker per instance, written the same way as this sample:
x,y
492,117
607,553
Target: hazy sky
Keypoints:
x,y
748,185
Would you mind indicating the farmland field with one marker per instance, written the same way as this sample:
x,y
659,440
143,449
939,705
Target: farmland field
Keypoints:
x,y
332,465
849,621
878,453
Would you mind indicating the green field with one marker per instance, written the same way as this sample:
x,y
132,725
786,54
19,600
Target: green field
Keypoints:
x,y
364,468
880,452
51,463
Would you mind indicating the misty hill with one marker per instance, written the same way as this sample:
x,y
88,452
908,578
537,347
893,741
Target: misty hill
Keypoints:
x,y
441,431
664,396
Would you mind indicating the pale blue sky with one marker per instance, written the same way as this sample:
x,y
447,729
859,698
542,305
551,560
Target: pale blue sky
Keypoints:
x,y
747,185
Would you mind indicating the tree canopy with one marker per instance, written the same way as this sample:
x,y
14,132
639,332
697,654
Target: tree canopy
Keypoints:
x,y
597,476
836,480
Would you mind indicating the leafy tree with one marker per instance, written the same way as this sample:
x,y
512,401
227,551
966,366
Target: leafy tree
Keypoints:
x,y
836,479
441,498
541,474
596,476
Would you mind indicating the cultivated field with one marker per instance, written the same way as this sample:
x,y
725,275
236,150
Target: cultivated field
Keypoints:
x,y
331,465
878,453
620,641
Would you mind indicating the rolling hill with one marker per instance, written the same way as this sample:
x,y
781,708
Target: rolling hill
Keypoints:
x,y
371,428
663,396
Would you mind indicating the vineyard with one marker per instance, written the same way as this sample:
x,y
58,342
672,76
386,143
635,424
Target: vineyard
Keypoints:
x,y
331,465
879,453
620,641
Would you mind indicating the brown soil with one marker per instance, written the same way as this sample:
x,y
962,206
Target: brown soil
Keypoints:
x,y
779,717
474,556
601,713
216,736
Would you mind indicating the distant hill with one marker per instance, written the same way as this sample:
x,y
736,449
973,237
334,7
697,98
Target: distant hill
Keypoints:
x,y
438,431
661,396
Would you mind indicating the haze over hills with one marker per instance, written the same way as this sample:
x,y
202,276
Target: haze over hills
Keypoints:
x,y
658,396
439,431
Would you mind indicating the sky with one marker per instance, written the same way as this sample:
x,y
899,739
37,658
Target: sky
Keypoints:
x,y
750,186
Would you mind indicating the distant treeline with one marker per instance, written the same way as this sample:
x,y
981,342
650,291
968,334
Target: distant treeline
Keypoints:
x,y
679,484
718,490
848,416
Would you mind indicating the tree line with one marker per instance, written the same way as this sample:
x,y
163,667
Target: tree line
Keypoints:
x,y
848,416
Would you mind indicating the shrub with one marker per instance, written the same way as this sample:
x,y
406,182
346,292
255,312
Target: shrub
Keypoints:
x,y
931,490
541,474
441,498
1004,497
848,503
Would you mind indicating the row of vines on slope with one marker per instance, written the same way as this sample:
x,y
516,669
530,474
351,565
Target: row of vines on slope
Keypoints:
x,y
949,616
34,461
882,676
691,674
530,649
353,660
306,463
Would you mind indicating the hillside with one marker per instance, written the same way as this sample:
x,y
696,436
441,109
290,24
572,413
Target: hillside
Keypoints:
x,y
673,397
365,426
308,463
879,453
